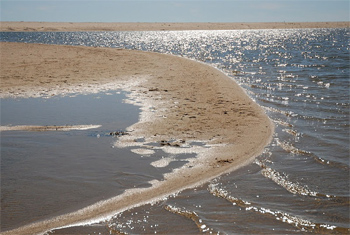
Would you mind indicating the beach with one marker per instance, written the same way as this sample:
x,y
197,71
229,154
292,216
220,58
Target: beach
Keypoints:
x,y
75,26
182,101
193,101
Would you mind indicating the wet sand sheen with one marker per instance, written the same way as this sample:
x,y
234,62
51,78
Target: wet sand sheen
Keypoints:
x,y
181,100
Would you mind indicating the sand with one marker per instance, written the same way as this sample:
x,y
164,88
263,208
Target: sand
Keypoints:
x,y
70,26
48,128
181,101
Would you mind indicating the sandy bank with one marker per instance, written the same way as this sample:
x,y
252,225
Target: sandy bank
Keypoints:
x,y
69,26
181,100
48,128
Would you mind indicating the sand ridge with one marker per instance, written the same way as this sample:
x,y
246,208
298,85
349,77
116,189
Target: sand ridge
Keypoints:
x,y
188,100
48,128
119,26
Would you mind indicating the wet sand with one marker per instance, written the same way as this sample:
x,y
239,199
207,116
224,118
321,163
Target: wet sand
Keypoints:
x,y
70,26
181,101
48,128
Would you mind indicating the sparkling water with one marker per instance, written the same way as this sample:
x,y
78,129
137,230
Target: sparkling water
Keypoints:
x,y
301,181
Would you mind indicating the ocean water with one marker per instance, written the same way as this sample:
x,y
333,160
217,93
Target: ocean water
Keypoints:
x,y
299,184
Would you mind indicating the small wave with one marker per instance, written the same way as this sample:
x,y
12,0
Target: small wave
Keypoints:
x,y
283,181
292,132
291,149
214,190
296,188
331,163
282,123
288,147
190,215
286,113
113,230
303,224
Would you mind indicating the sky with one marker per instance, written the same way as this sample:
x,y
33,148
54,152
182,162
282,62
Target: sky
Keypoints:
x,y
175,11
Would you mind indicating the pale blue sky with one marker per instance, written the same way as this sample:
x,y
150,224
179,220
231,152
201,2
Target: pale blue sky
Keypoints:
x,y
175,11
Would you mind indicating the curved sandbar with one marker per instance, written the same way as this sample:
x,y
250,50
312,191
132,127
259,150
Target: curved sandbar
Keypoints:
x,y
190,101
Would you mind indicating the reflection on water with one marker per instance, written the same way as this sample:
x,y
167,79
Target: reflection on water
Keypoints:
x,y
300,183
49,173
70,110
46,172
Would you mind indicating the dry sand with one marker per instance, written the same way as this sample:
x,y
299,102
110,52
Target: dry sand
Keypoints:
x,y
69,26
182,101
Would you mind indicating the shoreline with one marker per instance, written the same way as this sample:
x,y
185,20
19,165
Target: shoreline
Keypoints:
x,y
6,26
190,101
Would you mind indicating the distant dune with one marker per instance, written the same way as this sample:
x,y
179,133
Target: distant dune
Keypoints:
x,y
69,26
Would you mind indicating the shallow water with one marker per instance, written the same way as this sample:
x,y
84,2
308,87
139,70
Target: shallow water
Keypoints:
x,y
46,174
301,182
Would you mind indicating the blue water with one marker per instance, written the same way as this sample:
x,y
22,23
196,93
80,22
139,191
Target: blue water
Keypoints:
x,y
301,77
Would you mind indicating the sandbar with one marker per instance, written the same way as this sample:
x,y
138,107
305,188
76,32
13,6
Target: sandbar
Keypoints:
x,y
6,26
181,101
47,128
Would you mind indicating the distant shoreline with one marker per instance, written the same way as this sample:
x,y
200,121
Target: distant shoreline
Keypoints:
x,y
6,26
